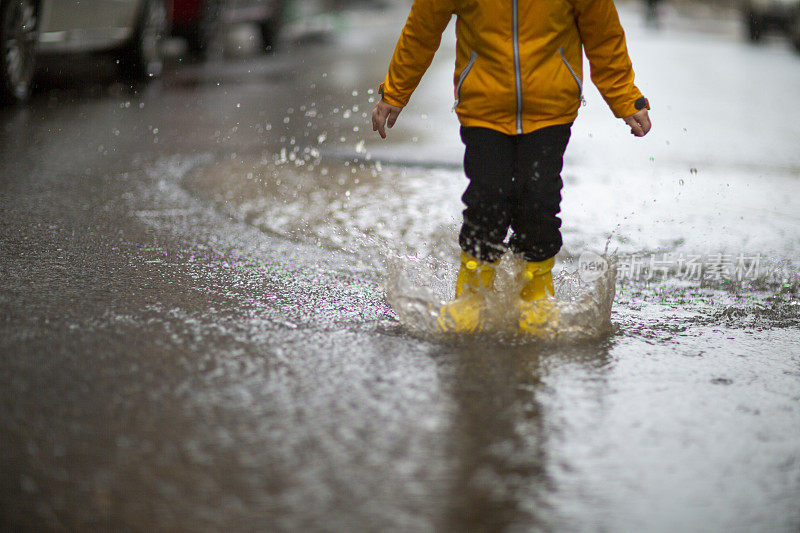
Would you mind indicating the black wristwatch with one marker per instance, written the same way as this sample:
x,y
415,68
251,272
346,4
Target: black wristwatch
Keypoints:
x,y
641,103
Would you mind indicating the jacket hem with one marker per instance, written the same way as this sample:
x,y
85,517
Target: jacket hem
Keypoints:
x,y
510,128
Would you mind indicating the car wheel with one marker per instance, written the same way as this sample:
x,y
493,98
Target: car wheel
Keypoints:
x,y
270,28
205,31
142,59
755,26
18,36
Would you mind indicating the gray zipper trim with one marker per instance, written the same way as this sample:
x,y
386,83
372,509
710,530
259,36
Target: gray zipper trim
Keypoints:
x,y
472,57
517,74
574,76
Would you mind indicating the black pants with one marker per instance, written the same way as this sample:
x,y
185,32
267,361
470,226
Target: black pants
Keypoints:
x,y
514,181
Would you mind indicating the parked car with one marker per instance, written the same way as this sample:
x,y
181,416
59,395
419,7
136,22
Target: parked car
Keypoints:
x,y
795,33
131,29
761,16
199,21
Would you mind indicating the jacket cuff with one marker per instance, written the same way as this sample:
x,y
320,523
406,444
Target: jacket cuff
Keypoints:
x,y
631,107
388,99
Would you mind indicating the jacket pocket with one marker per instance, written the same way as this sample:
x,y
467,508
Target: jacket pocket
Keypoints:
x,y
577,79
473,56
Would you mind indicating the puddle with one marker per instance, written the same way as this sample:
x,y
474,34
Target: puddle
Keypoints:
x,y
403,221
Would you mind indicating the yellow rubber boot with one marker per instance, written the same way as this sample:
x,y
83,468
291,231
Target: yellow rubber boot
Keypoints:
x,y
474,275
464,313
538,313
538,278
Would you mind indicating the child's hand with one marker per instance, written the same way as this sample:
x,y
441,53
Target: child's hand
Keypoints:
x,y
639,123
381,113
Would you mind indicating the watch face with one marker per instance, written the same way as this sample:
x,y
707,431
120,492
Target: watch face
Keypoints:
x,y
640,104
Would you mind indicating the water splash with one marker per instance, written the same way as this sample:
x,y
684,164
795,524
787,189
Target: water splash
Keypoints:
x,y
416,290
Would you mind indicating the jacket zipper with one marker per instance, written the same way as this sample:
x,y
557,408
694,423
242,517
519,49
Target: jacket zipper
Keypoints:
x,y
472,57
517,74
574,76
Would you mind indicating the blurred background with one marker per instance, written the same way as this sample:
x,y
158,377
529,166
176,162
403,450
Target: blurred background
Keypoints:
x,y
138,34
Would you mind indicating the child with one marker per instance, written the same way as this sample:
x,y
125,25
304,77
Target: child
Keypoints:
x,y
518,87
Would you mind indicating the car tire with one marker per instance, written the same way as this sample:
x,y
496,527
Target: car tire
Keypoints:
x,y
203,34
796,32
142,58
271,28
755,26
18,39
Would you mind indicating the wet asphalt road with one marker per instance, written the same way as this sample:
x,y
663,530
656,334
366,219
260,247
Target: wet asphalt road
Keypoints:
x,y
179,353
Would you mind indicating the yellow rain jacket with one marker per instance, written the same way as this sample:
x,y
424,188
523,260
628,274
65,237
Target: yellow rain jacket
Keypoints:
x,y
518,62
